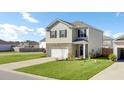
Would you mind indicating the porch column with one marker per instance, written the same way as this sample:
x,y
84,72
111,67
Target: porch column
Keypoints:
x,y
84,51
78,50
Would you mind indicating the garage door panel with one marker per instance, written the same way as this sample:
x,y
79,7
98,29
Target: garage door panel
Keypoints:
x,y
59,53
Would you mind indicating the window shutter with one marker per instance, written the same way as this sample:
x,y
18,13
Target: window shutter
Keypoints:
x,y
59,33
65,33
78,33
55,34
50,34
84,32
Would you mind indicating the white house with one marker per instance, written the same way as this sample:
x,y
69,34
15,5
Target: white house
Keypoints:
x,y
78,39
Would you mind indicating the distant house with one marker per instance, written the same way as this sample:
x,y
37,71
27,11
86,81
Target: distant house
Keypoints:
x,y
28,46
8,45
107,42
42,43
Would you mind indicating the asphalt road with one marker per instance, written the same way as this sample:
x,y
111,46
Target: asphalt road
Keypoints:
x,y
6,75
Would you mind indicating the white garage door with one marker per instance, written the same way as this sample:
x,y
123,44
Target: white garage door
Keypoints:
x,y
59,53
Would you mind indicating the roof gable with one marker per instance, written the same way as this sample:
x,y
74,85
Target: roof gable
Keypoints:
x,y
77,24
121,37
57,21
80,24
43,40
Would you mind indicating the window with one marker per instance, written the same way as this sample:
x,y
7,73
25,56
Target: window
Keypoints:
x,y
62,33
82,33
53,34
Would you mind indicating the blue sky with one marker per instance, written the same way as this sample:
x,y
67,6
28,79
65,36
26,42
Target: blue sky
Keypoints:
x,y
31,26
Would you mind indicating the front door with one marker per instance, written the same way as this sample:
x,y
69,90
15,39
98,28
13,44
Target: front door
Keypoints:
x,y
81,50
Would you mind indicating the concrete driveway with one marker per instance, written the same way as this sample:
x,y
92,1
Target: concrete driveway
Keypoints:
x,y
7,70
114,72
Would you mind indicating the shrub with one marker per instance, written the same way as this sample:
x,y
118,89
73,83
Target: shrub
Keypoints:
x,y
70,57
112,57
91,55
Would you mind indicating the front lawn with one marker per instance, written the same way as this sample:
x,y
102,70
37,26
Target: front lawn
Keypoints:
x,y
68,70
19,57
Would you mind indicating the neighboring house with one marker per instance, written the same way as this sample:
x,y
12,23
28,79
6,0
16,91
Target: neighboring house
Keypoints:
x,y
118,47
42,43
29,44
78,39
7,45
107,42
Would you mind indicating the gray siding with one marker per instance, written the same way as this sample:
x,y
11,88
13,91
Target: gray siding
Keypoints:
x,y
95,40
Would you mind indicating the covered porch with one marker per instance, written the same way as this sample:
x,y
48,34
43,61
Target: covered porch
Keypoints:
x,y
80,49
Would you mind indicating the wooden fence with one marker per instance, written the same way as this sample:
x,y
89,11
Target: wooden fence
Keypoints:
x,y
106,51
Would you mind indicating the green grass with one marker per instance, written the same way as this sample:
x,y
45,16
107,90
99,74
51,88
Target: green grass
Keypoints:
x,y
13,52
68,70
19,57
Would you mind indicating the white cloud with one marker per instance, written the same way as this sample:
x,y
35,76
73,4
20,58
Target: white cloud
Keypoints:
x,y
108,33
11,32
41,31
118,34
28,17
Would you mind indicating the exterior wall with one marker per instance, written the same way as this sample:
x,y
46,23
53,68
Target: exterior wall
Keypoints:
x,y
106,51
5,47
107,44
76,48
58,45
95,41
57,27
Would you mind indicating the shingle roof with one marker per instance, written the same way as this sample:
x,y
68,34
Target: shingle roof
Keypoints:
x,y
44,39
79,40
121,37
76,24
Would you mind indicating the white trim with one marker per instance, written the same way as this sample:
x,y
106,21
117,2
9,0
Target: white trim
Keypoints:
x,y
84,55
58,20
80,42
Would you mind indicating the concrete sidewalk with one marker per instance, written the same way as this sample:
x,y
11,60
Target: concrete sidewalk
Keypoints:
x,y
114,72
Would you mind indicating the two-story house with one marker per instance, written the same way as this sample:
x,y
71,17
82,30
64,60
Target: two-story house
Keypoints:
x,y
77,39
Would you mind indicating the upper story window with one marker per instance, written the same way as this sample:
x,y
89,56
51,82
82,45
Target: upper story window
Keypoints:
x,y
62,33
82,33
53,34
